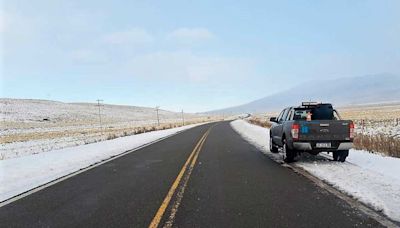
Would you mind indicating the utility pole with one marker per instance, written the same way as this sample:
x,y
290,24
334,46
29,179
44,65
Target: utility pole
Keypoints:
x,y
158,118
101,125
183,119
5,111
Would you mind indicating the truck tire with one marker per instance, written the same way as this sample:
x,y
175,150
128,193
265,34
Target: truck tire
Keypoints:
x,y
272,147
335,155
290,154
343,155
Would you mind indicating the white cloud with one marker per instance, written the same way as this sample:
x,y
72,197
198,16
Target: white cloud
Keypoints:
x,y
190,35
131,36
188,67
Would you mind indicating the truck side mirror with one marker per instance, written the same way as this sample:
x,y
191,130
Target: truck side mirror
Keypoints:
x,y
272,119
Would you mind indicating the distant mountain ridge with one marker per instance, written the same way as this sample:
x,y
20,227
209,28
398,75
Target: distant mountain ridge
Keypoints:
x,y
340,92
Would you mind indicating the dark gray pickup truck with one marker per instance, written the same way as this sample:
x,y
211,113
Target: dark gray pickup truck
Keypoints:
x,y
313,128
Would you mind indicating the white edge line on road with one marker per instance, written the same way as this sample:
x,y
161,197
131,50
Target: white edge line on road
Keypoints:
x,y
94,165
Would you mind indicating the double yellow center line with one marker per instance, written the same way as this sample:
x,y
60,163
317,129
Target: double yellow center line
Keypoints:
x,y
184,175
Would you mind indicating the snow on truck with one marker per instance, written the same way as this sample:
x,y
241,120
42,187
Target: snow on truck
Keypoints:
x,y
312,127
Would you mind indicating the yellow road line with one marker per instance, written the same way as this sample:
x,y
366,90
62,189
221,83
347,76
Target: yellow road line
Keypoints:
x,y
179,195
157,218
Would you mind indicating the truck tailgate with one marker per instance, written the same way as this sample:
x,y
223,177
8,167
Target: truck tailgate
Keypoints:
x,y
320,130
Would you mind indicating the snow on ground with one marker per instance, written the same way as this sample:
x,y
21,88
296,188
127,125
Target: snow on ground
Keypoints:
x,y
374,119
30,126
371,178
34,111
20,174
390,127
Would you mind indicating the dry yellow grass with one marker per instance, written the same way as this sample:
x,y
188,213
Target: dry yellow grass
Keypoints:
x,y
110,132
260,122
371,112
381,143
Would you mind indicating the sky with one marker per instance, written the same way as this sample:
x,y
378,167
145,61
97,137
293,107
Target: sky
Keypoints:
x,y
190,55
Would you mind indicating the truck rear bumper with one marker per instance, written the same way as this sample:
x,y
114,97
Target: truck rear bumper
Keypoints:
x,y
345,146
304,146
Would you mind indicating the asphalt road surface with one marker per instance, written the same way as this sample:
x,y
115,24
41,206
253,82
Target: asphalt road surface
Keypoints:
x,y
207,176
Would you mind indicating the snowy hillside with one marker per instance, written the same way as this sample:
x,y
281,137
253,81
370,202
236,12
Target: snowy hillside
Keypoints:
x,y
29,110
35,126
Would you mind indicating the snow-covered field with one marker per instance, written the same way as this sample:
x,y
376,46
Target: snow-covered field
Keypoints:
x,y
20,174
36,126
371,178
374,119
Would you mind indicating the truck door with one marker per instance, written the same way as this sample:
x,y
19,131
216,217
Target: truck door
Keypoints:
x,y
279,127
274,128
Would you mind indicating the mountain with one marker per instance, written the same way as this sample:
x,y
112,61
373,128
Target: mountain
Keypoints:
x,y
340,92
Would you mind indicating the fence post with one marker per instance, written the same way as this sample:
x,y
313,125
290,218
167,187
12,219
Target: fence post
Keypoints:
x,y
362,126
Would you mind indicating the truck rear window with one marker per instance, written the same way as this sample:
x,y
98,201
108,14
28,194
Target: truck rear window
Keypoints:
x,y
317,113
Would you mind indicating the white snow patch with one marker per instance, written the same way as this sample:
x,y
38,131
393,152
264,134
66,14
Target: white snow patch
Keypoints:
x,y
373,179
21,174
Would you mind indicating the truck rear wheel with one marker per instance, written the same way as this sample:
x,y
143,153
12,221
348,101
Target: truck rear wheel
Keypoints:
x,y
335,155
343,155
272,147
290,154
340,155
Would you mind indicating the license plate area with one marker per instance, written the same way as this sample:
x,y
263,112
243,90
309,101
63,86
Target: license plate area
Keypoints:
x,y
323,145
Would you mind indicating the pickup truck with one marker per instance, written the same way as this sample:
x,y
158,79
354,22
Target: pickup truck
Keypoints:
x,y
312,127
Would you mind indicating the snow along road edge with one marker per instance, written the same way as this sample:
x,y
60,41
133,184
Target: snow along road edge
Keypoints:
x,y
24,175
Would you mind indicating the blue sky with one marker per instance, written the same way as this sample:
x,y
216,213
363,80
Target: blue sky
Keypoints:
x,y
191,55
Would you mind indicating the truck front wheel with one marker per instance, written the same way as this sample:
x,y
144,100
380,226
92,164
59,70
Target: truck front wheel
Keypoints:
x,y
290,154
272,147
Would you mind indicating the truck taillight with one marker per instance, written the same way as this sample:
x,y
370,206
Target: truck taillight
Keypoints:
x,y
295,131
352,132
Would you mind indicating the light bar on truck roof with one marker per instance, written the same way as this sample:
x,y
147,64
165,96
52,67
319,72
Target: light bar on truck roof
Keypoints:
x,y
310,103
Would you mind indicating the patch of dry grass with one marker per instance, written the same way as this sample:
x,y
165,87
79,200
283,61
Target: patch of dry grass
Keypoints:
x,y
260,122
110,132
375,117
371,112
139,130
381,143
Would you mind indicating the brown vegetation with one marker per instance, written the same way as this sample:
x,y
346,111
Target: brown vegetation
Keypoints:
x,y
260,122
381,143
109,132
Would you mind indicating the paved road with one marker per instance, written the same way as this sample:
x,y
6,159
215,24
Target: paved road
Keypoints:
x,y
214,179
